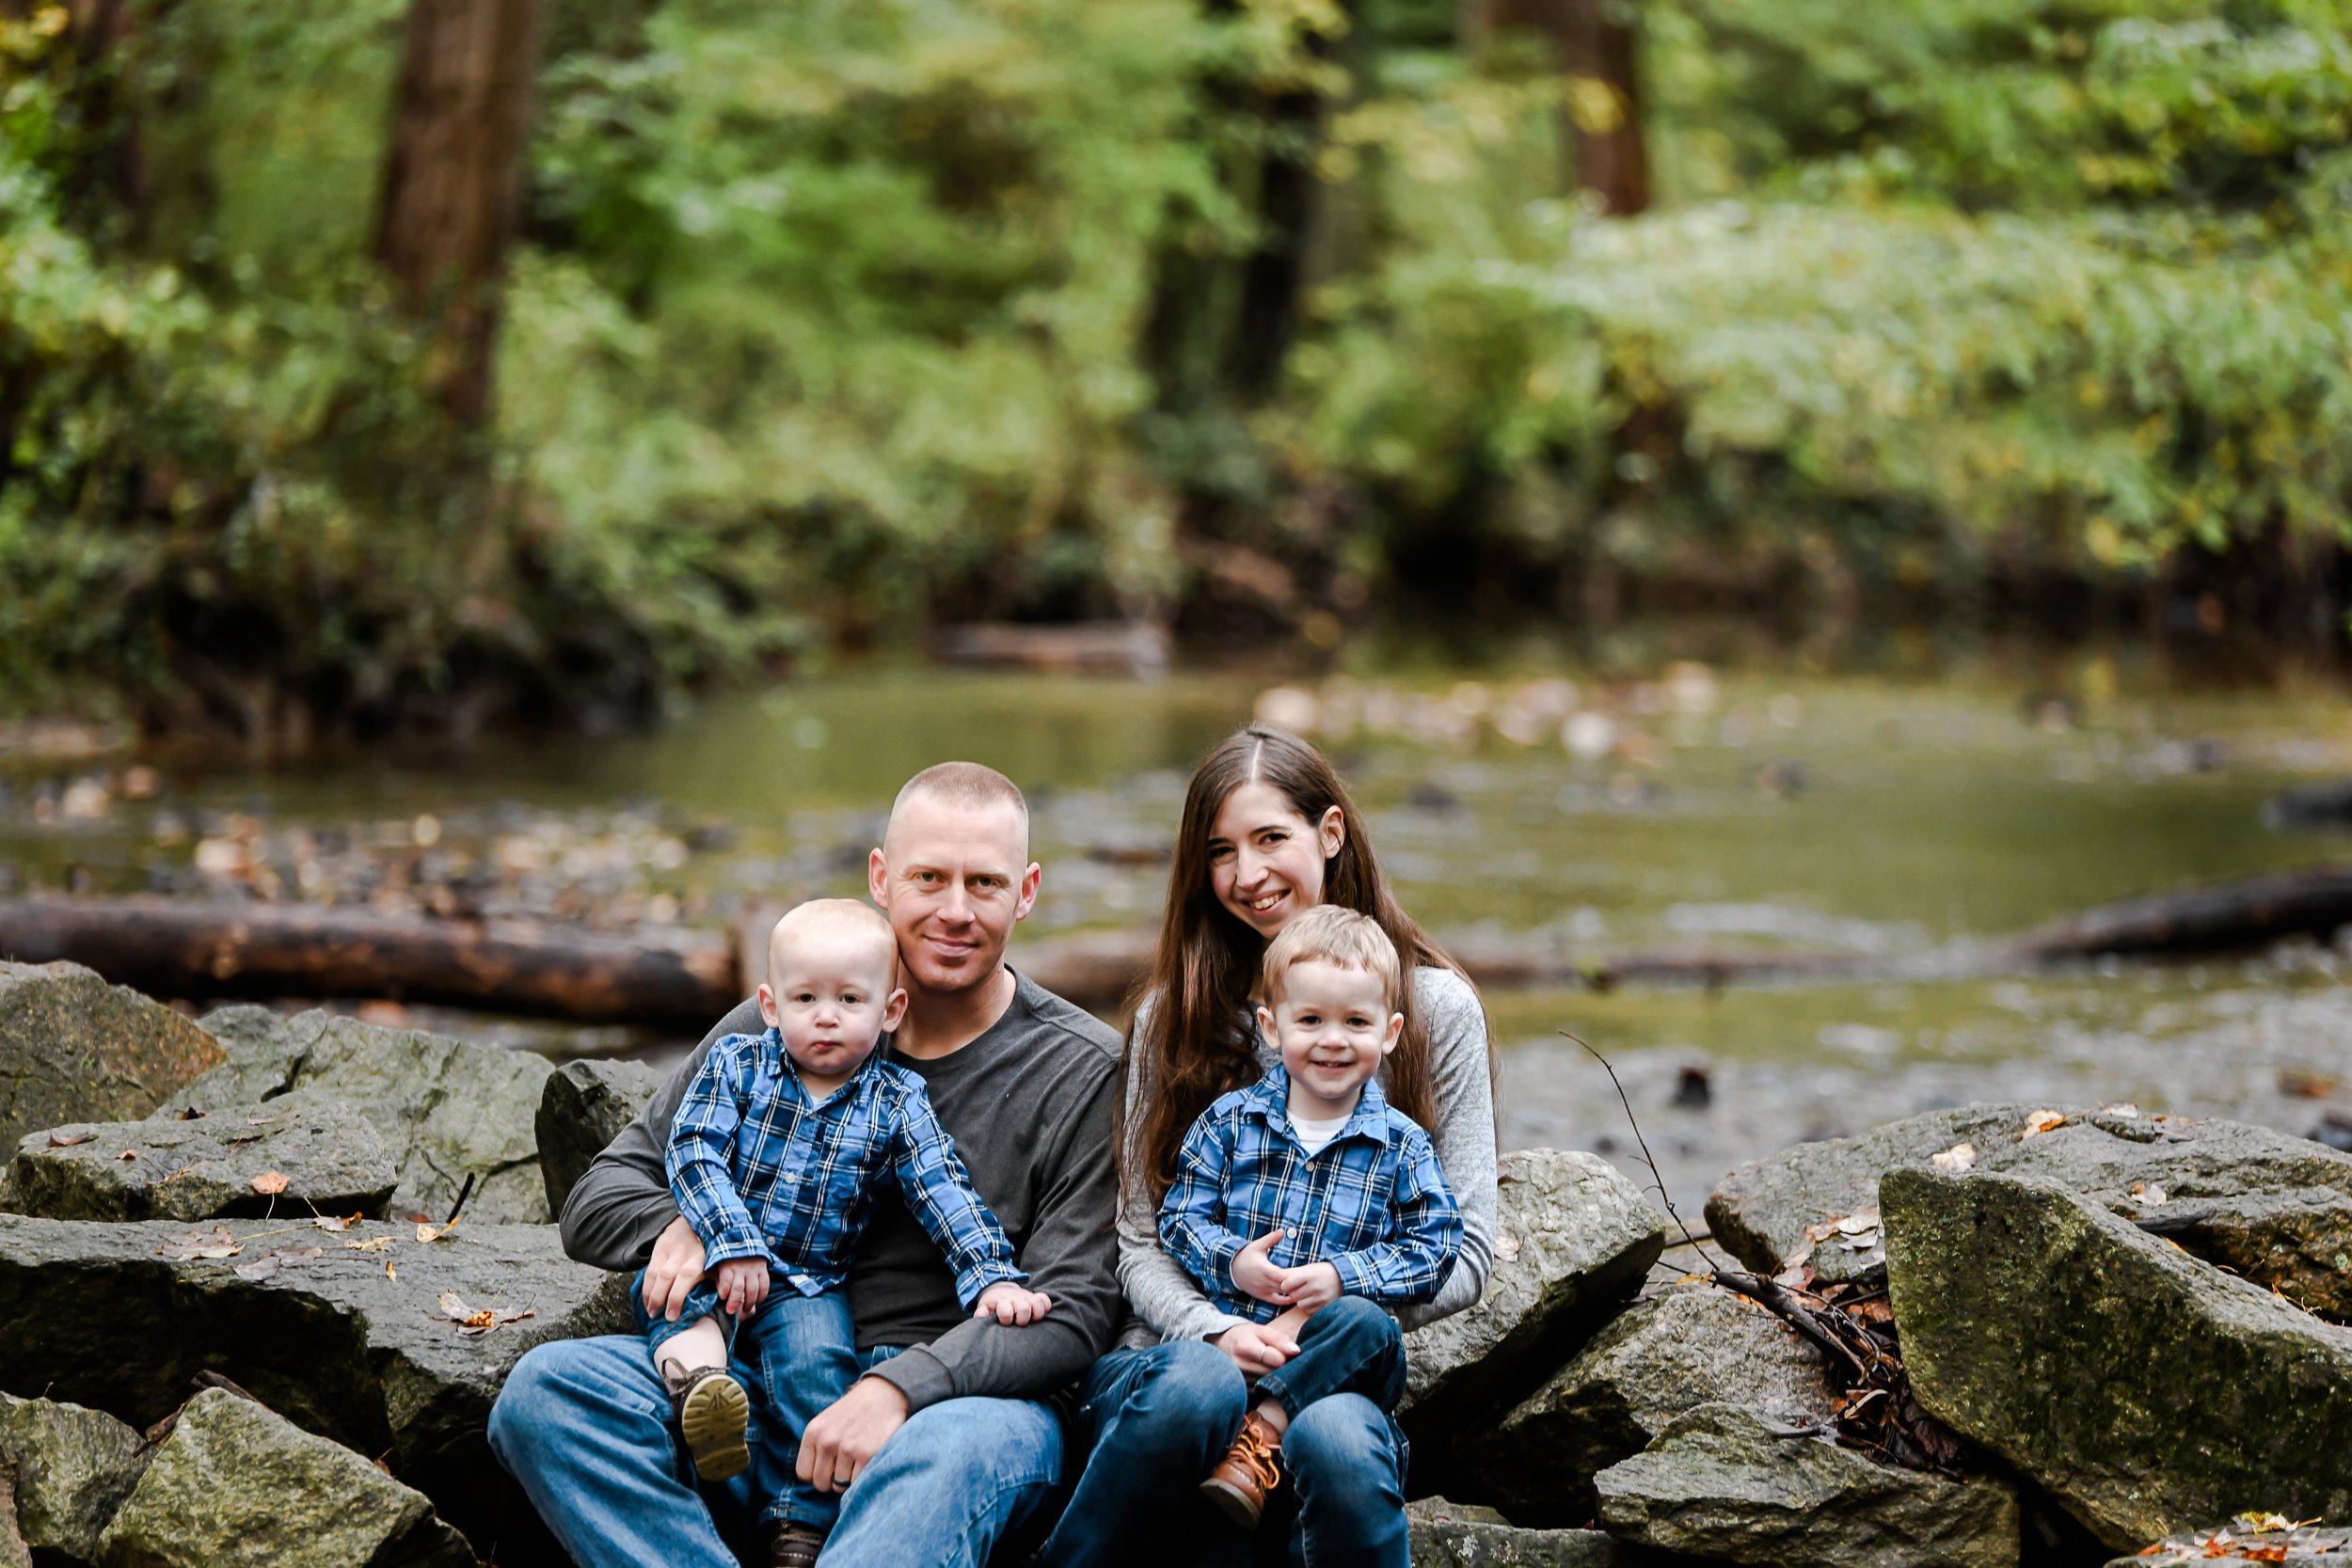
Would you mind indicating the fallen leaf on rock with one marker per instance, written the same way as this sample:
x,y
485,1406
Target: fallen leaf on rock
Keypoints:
x,y
67,1140
330,1222
1859,1221
1506,1248
2124,1112
270,1183
259,1268
373,1244
2040,1122
1959,1157
481,1320
2150,1195
128,1154
427,1231
190,1244
389,1272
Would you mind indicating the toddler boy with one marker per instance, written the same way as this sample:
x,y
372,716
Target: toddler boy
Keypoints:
x,y
775,1157
1343,1194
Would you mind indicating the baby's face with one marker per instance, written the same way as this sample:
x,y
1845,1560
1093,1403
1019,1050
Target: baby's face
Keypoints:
x,y
829,996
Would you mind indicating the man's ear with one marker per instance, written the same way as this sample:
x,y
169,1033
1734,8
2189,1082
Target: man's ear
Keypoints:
x,y
878,879
1332,830
1394,1032
1030,880
894,1010
768,1006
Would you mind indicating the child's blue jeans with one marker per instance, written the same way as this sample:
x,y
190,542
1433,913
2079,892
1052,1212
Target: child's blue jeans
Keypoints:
x,y
794,1356
1349,1347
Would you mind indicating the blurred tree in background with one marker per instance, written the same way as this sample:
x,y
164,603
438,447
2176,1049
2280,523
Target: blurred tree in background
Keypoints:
x,y
430,363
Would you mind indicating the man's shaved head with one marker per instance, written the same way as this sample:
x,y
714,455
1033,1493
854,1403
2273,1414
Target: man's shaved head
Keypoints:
x,y
844,920
960,784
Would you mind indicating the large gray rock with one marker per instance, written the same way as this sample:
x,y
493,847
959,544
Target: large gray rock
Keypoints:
x,y
446,1109
2144,1389
1573,1239
2275,1207
235,1484
74,1048
333,1160
73,1467
1659,1359
583,1108
342,1332
1445,1536
1722,1484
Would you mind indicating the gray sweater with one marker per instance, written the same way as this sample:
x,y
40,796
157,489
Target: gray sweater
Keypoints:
x,y
1029,1104
1170,1305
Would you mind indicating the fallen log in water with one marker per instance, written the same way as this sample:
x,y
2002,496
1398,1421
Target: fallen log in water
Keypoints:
x,y
271,950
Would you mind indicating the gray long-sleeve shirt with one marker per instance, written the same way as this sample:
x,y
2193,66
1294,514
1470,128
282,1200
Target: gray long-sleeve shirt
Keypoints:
x,y
1029,1104
1168,1304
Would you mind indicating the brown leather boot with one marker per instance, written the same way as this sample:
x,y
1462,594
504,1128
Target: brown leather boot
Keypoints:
x,y
1250,1468
711,1411
795,1546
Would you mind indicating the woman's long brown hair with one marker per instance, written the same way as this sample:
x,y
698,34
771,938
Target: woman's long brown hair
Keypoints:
x,y
1198,1041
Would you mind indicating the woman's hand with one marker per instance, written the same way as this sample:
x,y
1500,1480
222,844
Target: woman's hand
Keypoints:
x,y
1010,1305
1310,1287
1257,1351
1254,1275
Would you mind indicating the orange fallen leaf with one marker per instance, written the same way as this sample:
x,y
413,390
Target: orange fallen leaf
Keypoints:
x,y
2262,1554
2041,1121
270,1183
427,1231
128,1154
389,1272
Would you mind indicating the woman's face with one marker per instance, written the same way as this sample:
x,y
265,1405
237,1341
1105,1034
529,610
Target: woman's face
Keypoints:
x,y
1267,861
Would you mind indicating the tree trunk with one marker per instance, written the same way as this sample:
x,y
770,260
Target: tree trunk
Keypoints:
x,y
453,182
1592,43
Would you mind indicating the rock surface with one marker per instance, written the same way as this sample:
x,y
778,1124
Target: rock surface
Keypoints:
x,y
1572,1240
1445,1536
332,1161
1720,1483
349,1340
2256,1199
1657,1360
74,1048
446,1110
583,1108
74,1468
2144,1389
235,1483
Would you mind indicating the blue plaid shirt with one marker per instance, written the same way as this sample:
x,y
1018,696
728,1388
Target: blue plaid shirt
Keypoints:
x,y
1373,1202
761,1172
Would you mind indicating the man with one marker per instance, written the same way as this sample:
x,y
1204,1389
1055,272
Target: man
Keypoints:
x,y
944,1446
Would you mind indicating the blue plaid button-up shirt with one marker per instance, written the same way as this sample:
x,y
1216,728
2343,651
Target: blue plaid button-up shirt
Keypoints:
x,y
761,1172
1373,1202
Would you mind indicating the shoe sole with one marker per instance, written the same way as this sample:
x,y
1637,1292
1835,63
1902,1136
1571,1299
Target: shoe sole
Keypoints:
x,y
1234,1503
713,1419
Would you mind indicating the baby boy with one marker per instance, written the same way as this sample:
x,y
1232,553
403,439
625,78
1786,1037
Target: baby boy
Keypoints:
x,y
775,1157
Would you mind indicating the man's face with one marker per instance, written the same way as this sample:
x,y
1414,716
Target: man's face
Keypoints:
x,y
953,879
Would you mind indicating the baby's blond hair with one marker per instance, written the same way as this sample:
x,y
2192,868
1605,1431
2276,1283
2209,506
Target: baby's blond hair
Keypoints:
x,y
1333,934
847,916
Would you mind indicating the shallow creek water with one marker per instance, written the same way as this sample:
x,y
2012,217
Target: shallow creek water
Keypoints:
x,y
1731,812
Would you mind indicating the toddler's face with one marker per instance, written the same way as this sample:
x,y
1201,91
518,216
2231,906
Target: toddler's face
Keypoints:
x,y
1332,1024
829,996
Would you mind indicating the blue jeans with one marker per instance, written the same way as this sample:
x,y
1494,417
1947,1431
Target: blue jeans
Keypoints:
x,y
1156,1421
795,1356
584,1425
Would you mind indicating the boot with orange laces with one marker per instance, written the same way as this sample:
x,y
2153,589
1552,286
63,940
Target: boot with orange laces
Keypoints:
x,y
1250,1468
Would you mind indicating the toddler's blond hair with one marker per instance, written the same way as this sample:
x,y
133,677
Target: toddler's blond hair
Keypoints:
x,y
1337,935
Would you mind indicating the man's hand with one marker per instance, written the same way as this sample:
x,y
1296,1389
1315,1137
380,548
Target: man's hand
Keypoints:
x,y
676,1268
1257,1351
742,1285
1286,1327
1255,1276
1309,1285
1010,1303
843,1438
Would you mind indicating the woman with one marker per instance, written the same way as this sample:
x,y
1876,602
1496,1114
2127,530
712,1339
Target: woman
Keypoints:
x,y
1267,831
